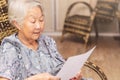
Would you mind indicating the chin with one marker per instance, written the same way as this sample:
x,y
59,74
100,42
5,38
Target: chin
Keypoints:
x,y
36,37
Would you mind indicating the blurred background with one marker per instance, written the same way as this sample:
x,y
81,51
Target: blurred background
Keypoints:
x,y
107,52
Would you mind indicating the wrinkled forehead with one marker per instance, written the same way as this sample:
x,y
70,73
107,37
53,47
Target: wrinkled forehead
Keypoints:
x,y
35,12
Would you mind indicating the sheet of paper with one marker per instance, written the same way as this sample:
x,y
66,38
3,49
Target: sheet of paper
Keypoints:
x,y
73,65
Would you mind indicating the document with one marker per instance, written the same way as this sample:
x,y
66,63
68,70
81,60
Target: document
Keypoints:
x,y
73,65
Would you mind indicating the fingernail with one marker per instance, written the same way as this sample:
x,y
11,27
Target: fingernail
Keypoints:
x,y
74,78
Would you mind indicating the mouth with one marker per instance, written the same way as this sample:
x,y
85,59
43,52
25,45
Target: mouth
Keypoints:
x,y
36,32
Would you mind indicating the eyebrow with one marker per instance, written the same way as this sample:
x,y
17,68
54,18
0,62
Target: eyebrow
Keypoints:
x,y
35,16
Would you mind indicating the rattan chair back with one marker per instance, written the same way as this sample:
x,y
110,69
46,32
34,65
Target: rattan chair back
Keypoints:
x,y
5,28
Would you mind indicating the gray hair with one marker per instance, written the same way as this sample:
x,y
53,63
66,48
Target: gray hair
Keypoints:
x,y
17,9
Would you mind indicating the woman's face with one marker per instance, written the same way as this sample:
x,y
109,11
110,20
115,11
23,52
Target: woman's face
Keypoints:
x,y
33,24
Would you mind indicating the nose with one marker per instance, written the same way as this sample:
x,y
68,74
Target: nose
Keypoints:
x,y
38,25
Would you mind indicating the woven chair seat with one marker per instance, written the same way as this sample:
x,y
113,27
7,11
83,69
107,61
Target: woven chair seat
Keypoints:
x,y
78,20
77,24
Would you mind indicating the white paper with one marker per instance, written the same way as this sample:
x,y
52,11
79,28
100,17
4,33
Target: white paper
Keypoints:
x,y
73,65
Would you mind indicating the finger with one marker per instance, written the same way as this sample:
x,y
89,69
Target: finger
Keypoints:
x,y
78,76
55,78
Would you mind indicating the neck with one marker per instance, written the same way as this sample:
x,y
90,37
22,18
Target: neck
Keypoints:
x,y
32,44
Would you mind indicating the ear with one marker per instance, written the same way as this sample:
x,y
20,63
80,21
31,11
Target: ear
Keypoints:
x,y
16,25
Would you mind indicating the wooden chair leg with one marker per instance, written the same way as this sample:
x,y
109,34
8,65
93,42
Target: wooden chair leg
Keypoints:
x,y
96,28
86,42
62,37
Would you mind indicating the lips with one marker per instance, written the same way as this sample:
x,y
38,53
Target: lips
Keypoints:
x,y
36,32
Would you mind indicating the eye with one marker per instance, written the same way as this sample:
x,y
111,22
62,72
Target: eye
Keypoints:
x,y
41,19
32,20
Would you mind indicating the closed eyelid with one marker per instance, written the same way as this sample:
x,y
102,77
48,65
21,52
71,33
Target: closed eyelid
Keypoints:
x,y
33,18
41,18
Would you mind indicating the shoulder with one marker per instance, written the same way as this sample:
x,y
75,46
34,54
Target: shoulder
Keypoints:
x,y
7,41
8,47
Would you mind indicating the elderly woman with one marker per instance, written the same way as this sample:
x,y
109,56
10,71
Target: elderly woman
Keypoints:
x,y
27,54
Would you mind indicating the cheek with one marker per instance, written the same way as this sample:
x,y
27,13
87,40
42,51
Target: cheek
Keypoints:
x,y
28,24
28,27
43,26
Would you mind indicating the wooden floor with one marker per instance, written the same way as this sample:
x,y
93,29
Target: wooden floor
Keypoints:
x,y
106,55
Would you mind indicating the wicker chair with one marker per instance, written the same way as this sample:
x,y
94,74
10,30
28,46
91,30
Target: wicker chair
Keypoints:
x,y
106,12
79,24
6,29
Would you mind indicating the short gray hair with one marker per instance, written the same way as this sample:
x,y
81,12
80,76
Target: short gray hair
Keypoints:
x,y
17,9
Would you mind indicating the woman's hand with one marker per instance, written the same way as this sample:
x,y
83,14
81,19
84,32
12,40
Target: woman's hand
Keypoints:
x,y
43,76
77,77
